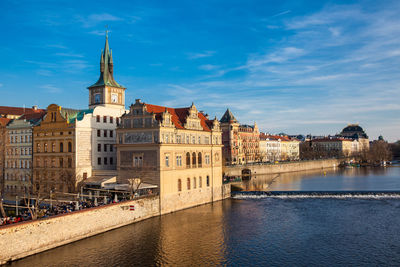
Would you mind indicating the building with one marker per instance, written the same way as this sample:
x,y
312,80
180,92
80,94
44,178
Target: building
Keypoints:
x,y
270,147
335,147
177,149
107,99
62,149
3,139
355,132
290,148
82,141
241,142
18,156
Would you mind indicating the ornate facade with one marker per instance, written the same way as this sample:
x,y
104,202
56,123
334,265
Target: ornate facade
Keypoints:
x,y
241,142
177,149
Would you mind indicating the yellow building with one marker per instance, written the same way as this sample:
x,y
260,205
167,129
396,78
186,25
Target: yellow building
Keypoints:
x,y
336,146
177,149
62,149
290,148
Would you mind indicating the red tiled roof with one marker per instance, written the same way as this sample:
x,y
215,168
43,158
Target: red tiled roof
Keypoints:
x,y
179,116
31,116
18,111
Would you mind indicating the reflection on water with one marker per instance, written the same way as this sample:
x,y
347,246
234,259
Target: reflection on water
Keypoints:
x,y
346,179
258,232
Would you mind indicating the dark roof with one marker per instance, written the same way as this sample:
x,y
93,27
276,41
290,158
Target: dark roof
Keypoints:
x,y
106,68
228,117
353,131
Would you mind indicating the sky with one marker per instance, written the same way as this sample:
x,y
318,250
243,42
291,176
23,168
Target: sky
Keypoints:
x,y
298,67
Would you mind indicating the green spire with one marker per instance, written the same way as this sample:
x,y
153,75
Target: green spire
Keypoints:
x,y
106,68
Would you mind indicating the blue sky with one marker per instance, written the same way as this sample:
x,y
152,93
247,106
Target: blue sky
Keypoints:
x,y
291,66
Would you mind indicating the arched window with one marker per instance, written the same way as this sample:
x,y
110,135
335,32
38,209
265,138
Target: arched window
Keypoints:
x,y
187,160
188,183
61,147
69,147
199,160
194,183
200,182
208,180
179,185
194,159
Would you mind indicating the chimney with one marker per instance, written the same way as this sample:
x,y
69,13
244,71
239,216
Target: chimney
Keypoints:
x,y
35,107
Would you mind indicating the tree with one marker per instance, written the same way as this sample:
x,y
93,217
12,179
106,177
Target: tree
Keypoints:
x,y
379,152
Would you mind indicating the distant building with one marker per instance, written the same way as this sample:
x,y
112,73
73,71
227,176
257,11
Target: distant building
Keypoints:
x,y
289,148
355,132
270,147
177,149
241,142
18,159
335,147
17,112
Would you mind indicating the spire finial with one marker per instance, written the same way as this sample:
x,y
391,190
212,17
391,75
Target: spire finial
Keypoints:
x,y
106,31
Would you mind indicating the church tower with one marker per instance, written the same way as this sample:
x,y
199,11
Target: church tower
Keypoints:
x,y
106,91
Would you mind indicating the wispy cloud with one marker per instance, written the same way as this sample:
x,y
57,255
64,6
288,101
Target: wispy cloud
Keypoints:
x,y
201,54
281,13
68,55
95,19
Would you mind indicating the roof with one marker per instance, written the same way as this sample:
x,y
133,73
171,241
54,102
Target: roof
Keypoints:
x,y
228,117
264,136
79,116
330,139
178,116
5,110
106,68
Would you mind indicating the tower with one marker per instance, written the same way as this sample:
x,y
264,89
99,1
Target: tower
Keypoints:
x,y
106,91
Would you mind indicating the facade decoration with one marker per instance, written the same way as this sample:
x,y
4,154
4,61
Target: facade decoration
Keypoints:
x,y
177,149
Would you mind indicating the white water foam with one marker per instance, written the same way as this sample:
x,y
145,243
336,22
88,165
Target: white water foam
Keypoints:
x,y
304,196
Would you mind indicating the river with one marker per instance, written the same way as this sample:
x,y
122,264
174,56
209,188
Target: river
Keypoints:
x,y
325,230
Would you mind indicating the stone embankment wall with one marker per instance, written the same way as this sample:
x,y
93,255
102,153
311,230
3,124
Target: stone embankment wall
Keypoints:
x,y
24,239
281,167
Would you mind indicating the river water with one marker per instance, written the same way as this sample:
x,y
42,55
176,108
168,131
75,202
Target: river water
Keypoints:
x,y
307,229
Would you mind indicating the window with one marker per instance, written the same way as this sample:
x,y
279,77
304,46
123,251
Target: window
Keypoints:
x,y
98,147
117,121
105,147
188,183
111,119
98,118
98,133
179,185
178,160
208,180
199,140
61,133
178,139
199,160
61,147
45,147
61,163
105,161
105,133
69,147
187,139
111,161
53,147
194,159
137,161
99,161
187,160
200,182
167,161
193,139
111,148
69,163
111,133
104,119
194,183
207,157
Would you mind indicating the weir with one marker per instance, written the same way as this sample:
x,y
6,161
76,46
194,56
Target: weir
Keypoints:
x,y
316,194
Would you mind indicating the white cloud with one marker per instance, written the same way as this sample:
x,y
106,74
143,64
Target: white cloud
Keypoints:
x,y
49,88
201,54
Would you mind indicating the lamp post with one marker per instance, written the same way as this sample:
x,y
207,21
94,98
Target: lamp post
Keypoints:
x,y
16,205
